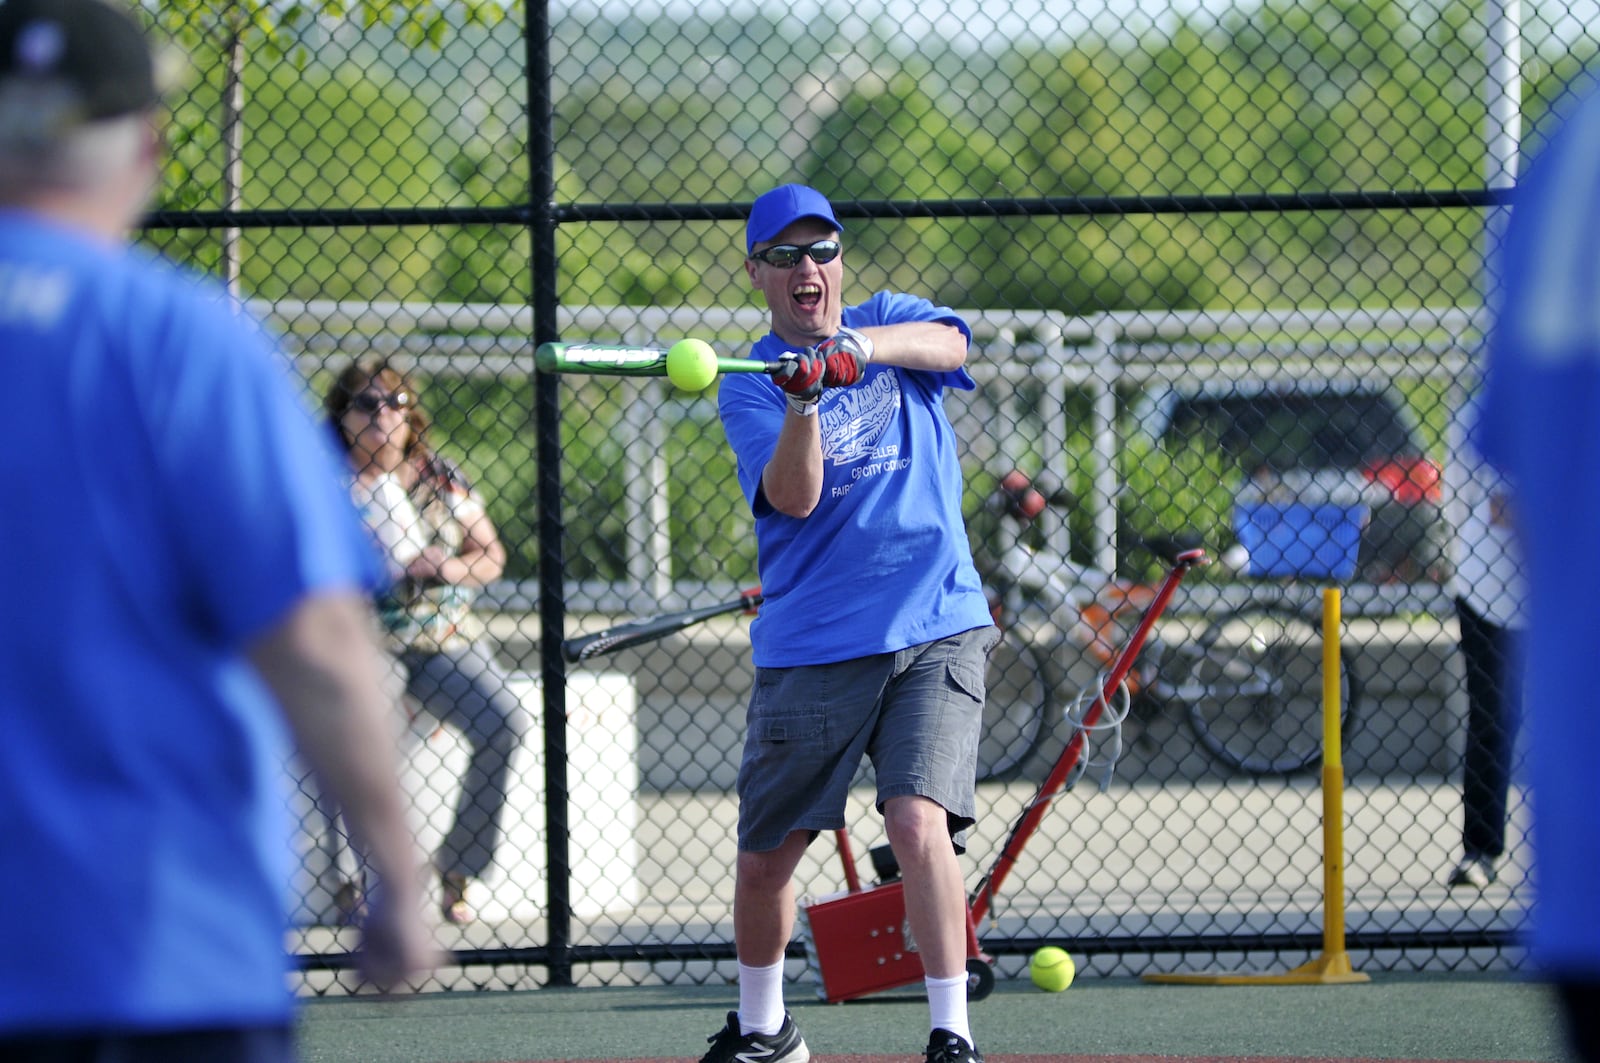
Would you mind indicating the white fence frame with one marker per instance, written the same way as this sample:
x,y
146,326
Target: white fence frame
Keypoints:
x,y
1101,354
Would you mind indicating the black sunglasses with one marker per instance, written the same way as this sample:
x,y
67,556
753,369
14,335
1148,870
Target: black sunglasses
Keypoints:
x,y
785,256
372,401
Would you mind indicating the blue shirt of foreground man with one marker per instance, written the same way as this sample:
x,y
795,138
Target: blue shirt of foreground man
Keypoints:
x,y
186,575
874,633
1542,424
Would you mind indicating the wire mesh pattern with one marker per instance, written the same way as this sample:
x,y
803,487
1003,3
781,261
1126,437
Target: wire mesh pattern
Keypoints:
x,y
1224,265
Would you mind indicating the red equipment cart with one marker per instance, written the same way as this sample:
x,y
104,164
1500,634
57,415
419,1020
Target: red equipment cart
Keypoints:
x,y
859,942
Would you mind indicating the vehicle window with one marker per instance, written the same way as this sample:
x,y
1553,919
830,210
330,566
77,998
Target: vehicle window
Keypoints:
x,y
1295,431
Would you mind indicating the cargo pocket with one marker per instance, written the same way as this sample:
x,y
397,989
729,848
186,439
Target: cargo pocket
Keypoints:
x,y
967,678
776,718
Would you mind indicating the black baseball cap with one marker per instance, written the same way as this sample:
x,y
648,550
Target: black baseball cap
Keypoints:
x,y
95,48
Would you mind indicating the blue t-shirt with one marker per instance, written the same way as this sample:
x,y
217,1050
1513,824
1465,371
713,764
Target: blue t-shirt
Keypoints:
x,y
1541,423
167,499
882,563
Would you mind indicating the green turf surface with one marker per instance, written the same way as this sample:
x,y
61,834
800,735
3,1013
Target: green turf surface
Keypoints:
x,y
1394,1017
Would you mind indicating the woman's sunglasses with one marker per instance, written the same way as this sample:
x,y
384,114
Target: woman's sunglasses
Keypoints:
x,y
372,401
786,256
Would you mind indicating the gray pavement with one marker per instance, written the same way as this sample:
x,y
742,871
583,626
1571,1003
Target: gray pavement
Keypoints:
x,y
1174,845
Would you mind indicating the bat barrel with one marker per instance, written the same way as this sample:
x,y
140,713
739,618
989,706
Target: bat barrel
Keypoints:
x,y
608,359
648,629
600,358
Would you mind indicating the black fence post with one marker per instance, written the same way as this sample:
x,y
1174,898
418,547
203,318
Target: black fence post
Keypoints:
x,y
547,416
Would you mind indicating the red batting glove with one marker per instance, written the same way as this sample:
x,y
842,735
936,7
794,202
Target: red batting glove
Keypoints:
x,y
800,378
846,355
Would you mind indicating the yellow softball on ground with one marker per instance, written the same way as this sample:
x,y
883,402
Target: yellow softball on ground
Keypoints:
x,y
1052,969
691,365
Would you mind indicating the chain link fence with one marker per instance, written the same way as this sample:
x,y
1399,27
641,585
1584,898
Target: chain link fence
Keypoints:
x,y
1224,265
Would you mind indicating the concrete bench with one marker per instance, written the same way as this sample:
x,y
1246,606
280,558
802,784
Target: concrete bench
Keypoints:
x,y
602,801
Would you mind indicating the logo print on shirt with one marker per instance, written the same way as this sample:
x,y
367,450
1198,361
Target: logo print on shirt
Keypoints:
x,y
33,297
855,422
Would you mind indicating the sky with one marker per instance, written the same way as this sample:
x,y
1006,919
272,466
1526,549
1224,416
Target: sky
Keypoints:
x,y
975,20
986,21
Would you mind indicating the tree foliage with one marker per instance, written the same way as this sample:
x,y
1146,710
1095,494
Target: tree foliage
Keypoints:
x,y
422,103
1287,97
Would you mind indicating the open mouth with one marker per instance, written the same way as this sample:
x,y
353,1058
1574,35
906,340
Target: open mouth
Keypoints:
x,y
807,295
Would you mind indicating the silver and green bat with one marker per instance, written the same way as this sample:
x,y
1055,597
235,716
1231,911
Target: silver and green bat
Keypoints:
x,y
604,359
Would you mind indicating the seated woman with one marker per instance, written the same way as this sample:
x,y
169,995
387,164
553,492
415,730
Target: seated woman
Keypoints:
x,y
441,547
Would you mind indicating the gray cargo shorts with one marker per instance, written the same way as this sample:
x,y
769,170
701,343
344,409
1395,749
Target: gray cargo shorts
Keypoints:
x,y
915,714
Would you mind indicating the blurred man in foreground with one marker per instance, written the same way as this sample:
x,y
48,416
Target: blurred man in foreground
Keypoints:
x,y
187,574
1541,423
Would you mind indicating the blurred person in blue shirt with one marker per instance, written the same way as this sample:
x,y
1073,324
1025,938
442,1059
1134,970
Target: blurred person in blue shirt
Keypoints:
x,y
1541,423
187,577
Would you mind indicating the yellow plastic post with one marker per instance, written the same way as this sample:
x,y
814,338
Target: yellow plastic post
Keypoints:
x,y
1332,967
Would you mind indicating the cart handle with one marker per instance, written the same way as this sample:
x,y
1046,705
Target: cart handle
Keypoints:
x,y
851,878
989,885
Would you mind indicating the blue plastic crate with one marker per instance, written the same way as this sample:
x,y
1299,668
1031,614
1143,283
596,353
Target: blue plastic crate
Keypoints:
x,y
1300,540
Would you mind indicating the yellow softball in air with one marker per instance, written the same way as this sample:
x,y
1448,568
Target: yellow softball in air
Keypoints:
x,y
691,365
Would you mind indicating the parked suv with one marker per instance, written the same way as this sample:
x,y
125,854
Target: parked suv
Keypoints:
x,y
1321,444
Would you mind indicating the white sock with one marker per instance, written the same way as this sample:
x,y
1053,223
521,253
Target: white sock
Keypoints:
x,y
947,1006
761,999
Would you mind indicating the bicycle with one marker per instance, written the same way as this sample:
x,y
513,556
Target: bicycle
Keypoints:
x,y
1249,682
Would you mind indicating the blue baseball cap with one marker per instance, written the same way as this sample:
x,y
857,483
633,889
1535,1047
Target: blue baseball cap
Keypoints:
x,y
780,208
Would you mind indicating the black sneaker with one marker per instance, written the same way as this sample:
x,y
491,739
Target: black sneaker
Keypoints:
x,y
946,1047
728,1045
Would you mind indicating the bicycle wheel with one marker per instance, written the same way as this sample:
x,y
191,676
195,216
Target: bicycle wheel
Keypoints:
x,y
1253,686
1014,708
